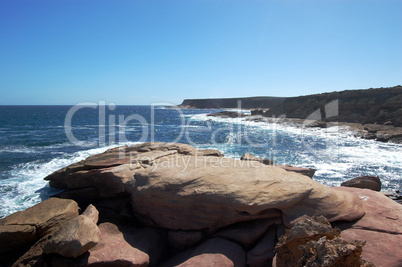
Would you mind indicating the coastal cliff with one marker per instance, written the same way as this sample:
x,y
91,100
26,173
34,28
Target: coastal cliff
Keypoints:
x,y
382,105
366,106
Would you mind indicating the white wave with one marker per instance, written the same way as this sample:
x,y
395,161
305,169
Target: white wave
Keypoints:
x,y
17,149
334,152
23,189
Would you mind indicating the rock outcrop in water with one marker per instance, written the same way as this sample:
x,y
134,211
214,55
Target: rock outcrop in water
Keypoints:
x,y
164,204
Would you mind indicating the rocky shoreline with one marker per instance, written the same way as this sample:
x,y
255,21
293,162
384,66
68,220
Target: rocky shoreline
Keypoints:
x,y
168,204
378,132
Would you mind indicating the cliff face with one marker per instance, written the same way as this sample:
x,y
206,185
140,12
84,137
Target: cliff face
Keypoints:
x,y
246,102
361,106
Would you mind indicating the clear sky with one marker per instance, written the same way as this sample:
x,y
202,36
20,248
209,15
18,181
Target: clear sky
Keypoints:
x,y
140,52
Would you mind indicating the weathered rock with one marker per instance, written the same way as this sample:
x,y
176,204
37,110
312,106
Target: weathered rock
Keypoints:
x,y
22,229
45,216
92,213
380,248
76,236
209,152
327,202
180,240
304,171
108,172
211,192
380,228
214,252
112,250
336,252
263,253
247,233
304,230
248,156
368,182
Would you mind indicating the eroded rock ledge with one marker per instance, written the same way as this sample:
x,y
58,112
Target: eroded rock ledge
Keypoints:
x,y
173,205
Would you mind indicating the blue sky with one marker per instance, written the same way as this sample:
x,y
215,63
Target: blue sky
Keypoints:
x,y
140,52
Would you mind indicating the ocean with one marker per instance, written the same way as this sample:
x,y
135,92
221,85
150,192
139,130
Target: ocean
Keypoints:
x,y
38,140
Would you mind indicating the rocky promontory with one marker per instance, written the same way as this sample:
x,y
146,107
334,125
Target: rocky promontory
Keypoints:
x,y
369,106
264,102
168,204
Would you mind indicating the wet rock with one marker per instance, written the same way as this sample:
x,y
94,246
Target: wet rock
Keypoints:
x,y
316,124
368,182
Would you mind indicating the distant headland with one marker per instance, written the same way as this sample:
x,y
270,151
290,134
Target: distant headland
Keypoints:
x,y
374,105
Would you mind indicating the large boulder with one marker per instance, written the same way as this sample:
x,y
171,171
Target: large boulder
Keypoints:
x,y
368,182
380,228
76,236
212,192
201,190
106,174
216,252
24,228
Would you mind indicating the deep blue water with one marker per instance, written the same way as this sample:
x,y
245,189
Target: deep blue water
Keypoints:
x,y
37,140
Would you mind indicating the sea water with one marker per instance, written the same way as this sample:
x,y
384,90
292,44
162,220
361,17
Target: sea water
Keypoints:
x,y
38,140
